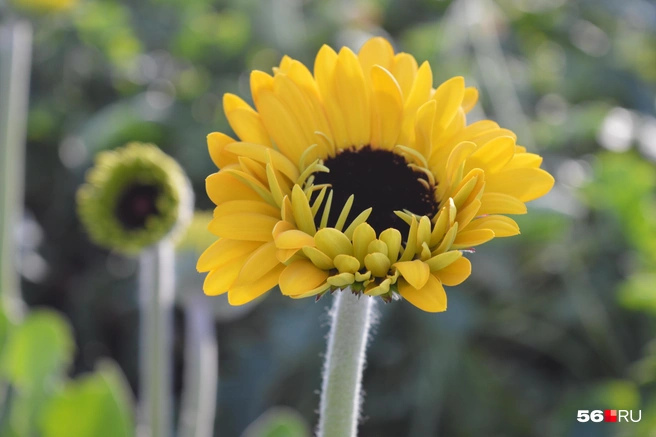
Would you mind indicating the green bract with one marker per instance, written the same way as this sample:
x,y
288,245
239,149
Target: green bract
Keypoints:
x,y
134,197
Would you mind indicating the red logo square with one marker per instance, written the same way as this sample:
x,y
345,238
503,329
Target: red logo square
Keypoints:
x,y
610,415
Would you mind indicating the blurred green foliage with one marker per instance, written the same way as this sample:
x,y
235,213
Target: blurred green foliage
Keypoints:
x,y
37,396
558,319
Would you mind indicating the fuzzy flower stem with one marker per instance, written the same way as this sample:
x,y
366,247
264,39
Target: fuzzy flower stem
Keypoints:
x,y
156,293
201,371
15,60
341,391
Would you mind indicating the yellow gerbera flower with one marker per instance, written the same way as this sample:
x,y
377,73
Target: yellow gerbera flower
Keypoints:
x,y
360,175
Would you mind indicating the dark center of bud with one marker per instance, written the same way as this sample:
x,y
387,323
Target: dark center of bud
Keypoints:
x,y
381,180
136,204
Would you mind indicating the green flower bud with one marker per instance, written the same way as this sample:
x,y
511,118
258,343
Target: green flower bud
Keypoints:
x,y
134,197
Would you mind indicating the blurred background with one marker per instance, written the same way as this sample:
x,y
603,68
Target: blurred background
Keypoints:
x,y
559,319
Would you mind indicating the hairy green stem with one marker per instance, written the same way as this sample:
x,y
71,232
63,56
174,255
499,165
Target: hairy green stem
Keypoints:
x,y
15,61
156,293
341,392
201,371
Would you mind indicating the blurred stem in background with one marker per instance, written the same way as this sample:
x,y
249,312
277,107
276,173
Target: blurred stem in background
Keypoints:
x,y
201,371
481,17
341,391
156,294
15,61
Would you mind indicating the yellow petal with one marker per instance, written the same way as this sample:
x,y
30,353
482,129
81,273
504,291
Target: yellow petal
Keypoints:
x,y
250,206
280,227
415,272
303,78
246,123
244,226
332,242
418,95
449,97
223,251
376,51
362,236
350,90
261,262
498,203
467,239
525,184
377,246
320,289
252,182
218,281
263,155
404,71
293,239
501,225
455,273
493,155
374,289
392,238
421,88
260,81
223,187
302,211
301,276
318,258
470,98
282,126
341,280
357,221
466,187
378,264
324,69
467,214
445,220
246,293
410,248
278,189
363,277
448,239
430,298
457,157
424,127
253,168
287,256
387,109
443,260
216,143
423,231
524,160
308,120
347,263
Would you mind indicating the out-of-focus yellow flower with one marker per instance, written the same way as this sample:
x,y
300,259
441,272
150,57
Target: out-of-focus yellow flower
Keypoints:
x,y
44,6
361,175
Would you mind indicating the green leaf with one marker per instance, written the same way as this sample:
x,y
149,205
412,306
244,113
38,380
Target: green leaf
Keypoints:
x,y
278,422
95,405
38,349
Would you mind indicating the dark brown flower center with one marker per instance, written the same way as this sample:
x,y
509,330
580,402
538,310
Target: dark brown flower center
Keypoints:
x,y
379,179
136,204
